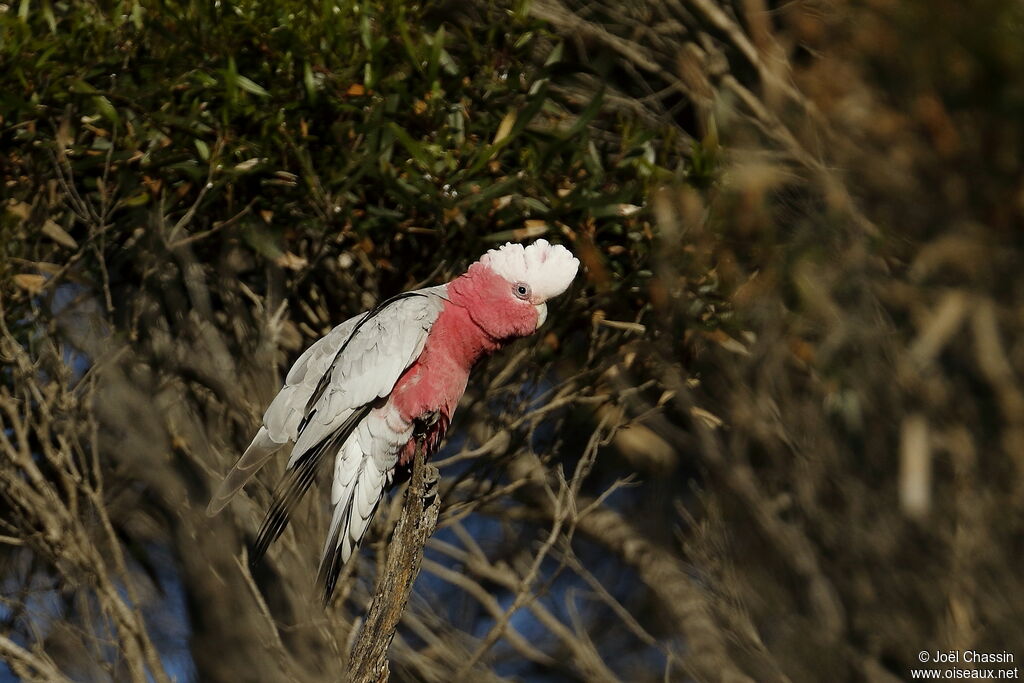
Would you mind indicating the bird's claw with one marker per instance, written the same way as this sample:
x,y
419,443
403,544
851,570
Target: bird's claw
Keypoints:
x,y
425,421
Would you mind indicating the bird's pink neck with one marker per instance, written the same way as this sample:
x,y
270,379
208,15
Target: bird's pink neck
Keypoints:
x,y
437,379
460,338
479,317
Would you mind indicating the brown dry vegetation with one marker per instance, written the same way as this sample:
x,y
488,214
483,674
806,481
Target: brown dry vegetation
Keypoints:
x,y
775,433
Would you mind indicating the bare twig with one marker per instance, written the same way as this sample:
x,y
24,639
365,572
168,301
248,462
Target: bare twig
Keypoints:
x,y
419,517
27,665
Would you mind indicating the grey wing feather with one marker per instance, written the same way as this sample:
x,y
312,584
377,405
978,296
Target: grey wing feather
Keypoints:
x,y
282,417
356,362
371,361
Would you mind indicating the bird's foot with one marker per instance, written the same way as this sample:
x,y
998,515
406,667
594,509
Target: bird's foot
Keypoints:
x,y
424,422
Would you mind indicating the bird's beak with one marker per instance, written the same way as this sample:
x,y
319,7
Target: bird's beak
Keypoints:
x,y
542,314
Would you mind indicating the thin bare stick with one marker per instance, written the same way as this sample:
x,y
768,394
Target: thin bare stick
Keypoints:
x,y
419,517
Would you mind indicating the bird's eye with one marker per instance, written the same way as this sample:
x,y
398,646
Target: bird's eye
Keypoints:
x,y
522,290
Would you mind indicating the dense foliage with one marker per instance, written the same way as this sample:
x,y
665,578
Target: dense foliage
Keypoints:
x,y
310,127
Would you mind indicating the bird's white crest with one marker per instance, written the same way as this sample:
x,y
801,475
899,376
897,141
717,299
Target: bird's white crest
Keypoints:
x,y
548,268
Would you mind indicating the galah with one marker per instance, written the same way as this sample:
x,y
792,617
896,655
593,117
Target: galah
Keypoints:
x,y
379,383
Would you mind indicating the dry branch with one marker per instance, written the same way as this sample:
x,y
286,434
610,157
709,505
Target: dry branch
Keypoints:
x,y
419,517
29,666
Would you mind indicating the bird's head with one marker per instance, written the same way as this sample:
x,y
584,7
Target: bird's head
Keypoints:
x,y
511,285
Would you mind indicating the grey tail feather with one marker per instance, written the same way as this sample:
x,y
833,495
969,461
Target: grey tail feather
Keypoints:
x,y
236,479
332,562
297,481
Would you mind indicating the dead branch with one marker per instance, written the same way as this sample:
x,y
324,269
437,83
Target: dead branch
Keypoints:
x,y
27,665
419,517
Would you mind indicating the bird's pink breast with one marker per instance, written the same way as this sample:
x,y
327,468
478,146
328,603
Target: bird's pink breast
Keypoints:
x,y
437,379
478,317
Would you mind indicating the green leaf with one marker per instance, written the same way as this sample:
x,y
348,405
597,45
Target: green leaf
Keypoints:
x,y
80,87
535,205
106,109
587,115
249,85
523,40
412,146
436,46
309,81
139,199
51,20
364,32
555,56
412,48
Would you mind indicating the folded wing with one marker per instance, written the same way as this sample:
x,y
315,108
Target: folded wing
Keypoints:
x,y
325,408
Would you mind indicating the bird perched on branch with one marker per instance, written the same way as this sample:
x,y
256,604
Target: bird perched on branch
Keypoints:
x,y
385,380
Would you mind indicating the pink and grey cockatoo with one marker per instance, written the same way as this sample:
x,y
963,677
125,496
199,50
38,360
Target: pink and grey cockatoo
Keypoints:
x,y
378,383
